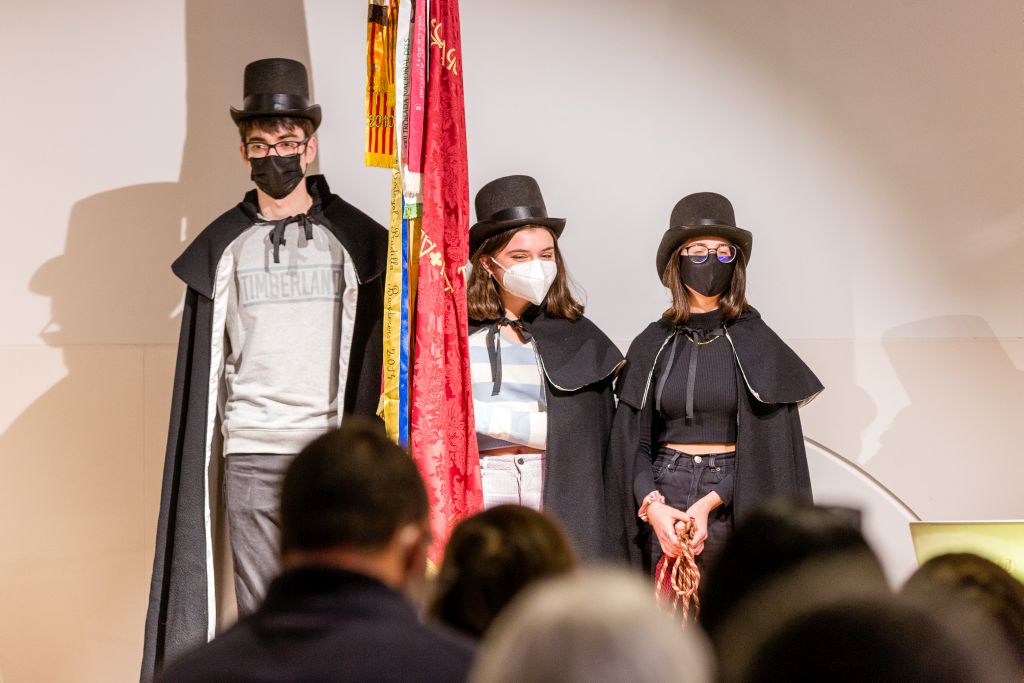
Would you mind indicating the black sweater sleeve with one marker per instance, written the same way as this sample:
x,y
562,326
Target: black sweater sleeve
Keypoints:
x,y
724,489
643,467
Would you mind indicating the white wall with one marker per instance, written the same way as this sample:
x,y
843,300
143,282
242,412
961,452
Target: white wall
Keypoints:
x,y
123,108
876,150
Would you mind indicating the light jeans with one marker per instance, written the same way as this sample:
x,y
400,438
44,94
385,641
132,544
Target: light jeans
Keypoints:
x,y
513,480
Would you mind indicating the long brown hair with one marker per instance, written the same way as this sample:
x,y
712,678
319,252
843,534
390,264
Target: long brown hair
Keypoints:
x,y
732,303
482,293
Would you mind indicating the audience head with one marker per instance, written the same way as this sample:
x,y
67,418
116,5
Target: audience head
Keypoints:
x,y
980,592
780,538
877,639
353,498
782,561
489,558
592,627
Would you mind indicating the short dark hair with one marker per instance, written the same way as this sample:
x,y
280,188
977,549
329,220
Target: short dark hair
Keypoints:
x,y
732,303
880,639
352,487
490,558
273,124
977,584
773,540
484,300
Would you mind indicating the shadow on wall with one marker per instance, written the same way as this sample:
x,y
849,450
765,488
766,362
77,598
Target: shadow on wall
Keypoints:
x,y
959,437
886,93
839,417
80,556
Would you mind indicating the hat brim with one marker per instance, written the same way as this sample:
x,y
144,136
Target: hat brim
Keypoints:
x,y
312,113
675,237
483,230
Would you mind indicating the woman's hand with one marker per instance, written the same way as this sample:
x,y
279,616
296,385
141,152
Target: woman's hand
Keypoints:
x,y
699,512
662,519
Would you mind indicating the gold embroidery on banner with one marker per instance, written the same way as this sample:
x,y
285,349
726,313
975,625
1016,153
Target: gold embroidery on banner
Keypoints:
x,y
437,41
427,246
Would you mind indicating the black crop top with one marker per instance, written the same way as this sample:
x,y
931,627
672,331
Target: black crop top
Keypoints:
x,y
714,400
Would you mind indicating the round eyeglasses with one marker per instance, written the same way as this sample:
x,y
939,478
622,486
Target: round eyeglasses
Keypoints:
x,y
698,253
285,148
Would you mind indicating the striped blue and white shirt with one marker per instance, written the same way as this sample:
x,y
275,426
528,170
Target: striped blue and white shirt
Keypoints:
x,y
517,416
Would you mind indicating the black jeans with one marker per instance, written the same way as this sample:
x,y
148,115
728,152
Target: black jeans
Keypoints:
x,y
684,479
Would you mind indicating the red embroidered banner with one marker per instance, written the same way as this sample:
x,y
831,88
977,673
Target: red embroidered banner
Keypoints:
x,y
443,435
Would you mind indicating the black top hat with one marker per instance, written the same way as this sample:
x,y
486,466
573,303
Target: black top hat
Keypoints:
x,y
507,203
276,87
697,215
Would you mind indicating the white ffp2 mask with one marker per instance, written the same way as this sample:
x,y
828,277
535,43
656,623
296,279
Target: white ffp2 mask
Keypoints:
x,y
530,280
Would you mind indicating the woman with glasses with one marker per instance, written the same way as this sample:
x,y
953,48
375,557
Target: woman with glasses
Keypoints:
x,y
707,425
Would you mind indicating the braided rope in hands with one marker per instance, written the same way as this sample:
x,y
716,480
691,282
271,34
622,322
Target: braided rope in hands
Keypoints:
x,y
678,578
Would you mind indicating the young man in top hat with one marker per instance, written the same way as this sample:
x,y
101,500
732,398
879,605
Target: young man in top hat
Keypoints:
x,y
280,338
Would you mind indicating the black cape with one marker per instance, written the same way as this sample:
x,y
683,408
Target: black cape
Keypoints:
x,y
180,615
579,363
770,457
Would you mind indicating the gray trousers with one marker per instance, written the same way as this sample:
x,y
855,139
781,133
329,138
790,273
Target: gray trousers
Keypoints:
x,y
252,489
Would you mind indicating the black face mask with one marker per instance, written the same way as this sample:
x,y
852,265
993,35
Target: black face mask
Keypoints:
x,y
709,278
276,175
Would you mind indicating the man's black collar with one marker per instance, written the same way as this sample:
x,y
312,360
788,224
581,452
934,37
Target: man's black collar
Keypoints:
x,y
363,238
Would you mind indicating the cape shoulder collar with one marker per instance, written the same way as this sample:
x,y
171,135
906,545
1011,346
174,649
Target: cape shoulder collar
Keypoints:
x,y
363,238
573,353
771,370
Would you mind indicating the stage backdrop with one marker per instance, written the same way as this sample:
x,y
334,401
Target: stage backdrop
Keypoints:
x,y
875,149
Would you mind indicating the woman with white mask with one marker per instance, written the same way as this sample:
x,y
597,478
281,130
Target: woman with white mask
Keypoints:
x,y
542,373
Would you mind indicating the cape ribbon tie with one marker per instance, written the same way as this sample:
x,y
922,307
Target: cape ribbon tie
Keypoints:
x,y
277,233
699,338
493,341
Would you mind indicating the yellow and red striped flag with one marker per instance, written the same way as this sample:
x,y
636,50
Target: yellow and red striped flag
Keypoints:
x,y
381,30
